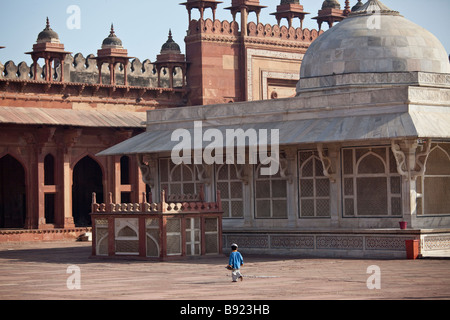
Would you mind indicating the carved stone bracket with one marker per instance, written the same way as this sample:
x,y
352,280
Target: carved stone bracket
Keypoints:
x,y
68,138
400,159
285,172
408,171
148,166
326,164
422,163
204,173
242,172
288,163
44,135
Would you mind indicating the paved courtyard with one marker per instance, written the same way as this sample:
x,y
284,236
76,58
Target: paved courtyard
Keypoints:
x,y
49,270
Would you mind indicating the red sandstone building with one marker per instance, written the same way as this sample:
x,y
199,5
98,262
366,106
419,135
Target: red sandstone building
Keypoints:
x,y
55,118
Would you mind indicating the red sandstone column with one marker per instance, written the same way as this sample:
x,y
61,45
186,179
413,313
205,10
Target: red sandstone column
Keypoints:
x,y
137,184
31,218
171,77
99,67
48,69
183,235
244,16
163,240
35,68
111,73
142,237
219,229
62,69
67,191
94,239
115,181
41,194
202,235
125,78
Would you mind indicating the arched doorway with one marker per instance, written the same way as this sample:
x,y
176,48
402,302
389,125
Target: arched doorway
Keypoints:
x,y
12,193
87,178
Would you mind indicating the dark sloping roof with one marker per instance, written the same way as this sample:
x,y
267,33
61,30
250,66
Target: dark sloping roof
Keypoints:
x,y
70,117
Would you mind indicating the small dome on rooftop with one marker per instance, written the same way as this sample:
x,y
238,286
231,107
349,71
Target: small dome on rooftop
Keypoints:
x,y
331,4
47,35
170,46
290,2
112,40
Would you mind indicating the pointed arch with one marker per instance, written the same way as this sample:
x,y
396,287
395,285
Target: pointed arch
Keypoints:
x,y
314,186
438,161
435,183
270,195
371,163
12,192
82,156
178,178
231,190
371,186
87,178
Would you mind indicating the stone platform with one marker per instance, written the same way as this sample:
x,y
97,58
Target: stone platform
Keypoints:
x,y
340,243
39,270
51,234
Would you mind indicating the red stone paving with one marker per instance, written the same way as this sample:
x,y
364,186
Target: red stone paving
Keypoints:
x,y
36,271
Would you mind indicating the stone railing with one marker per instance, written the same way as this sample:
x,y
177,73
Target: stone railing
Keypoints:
x,y
157,230
178,204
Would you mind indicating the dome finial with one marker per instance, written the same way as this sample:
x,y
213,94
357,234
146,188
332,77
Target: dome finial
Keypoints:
x,y
48,35
170,44
347,8
112,40
375,6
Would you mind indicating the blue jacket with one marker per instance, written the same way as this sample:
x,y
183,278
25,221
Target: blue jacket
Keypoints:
x,y
236,260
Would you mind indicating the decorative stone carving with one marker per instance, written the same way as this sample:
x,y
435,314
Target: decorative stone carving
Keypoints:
x,y
148,166
326,163
204,173
242,172
408,171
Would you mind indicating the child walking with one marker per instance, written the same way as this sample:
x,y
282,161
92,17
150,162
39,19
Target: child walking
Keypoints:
x,y
235,263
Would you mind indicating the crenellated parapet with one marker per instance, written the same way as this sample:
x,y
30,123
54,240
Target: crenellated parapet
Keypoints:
x,y
209,26
80,86
278,32
269,32
80,69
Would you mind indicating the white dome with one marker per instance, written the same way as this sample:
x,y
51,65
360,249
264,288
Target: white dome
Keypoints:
x,y
374,39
